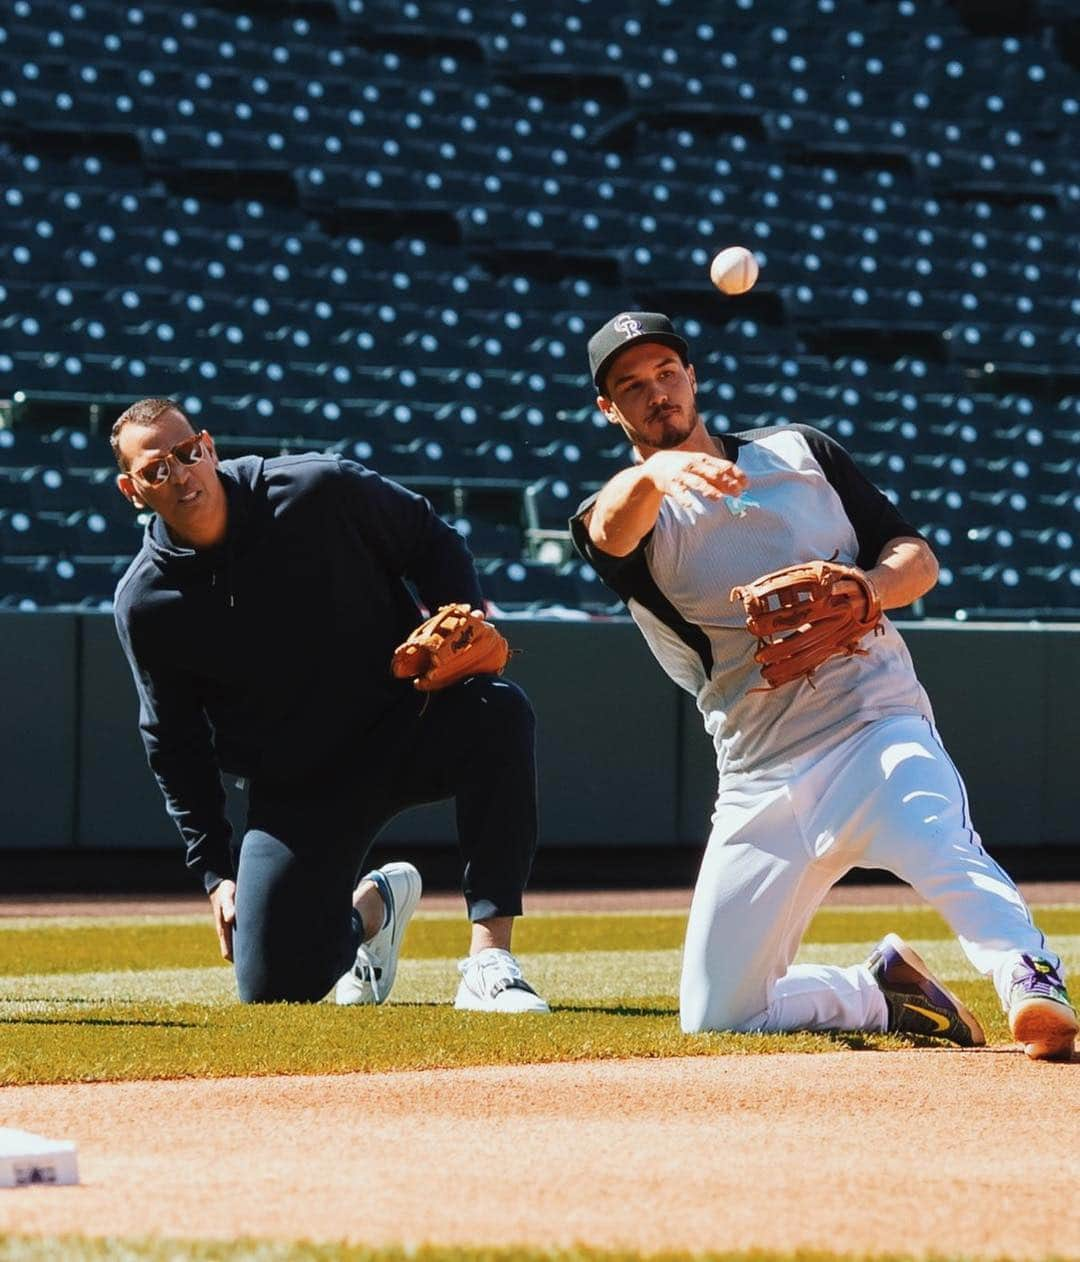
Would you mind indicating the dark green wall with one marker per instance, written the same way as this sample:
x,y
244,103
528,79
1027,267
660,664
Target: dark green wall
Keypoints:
x,y
622,756
39,726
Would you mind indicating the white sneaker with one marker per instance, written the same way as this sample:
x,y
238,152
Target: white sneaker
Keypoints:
x,y
371,977
492,982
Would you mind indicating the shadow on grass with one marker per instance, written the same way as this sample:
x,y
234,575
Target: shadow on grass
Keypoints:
x,y
853,1040
113,1021
865,1040
616,1010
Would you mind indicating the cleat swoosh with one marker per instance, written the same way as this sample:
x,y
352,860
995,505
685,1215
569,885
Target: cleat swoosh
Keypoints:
x,y
940,1022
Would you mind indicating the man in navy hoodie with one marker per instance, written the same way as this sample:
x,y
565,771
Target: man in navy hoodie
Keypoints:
x,y
259,619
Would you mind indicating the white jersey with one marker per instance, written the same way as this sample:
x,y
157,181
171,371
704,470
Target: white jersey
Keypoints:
x,y
805,500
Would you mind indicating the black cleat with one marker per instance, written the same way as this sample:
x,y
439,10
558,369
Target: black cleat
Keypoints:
x,y
918,1002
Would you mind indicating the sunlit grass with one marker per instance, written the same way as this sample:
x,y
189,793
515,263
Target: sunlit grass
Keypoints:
x,y
115,1249
612,981
88,946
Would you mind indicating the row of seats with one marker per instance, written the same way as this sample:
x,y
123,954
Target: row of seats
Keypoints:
x,y
544,40
516,585
569,589
1016,511
390,225
980,437
1008,459
866,233
650,166
924,286
1031,502
154,361
1010,276
908,407
980,534
271,107
826,227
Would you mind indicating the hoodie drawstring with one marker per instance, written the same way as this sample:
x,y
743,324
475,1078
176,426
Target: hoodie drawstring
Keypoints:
x,y
231,595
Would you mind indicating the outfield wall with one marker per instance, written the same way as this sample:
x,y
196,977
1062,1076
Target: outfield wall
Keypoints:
x,y
623,759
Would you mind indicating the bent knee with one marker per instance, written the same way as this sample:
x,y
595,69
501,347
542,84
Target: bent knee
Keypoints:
x,y
704,1013
270,989
502,702
510,697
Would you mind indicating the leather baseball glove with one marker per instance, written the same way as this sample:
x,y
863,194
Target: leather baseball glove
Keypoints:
x,y
800,620
449,646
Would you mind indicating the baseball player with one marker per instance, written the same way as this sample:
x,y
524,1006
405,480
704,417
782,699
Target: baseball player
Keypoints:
x,y
838,768
260,619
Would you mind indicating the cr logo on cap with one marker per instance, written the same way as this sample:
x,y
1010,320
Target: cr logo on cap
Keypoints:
x,y
628,326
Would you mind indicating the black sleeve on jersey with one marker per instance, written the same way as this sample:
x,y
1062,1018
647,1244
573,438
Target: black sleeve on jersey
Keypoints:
x,y
615,571
630,577
875,518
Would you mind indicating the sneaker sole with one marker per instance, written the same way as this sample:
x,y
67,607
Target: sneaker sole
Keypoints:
x,y
912,958
535,1006
1046,1028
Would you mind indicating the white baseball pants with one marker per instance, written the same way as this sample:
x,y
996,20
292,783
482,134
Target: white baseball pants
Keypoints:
x,y
887,797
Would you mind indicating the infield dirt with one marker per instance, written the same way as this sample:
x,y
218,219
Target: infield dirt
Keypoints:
x,y
935,1152
942,1152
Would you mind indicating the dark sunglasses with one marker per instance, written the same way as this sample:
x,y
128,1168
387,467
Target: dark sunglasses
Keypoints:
x,y
189,452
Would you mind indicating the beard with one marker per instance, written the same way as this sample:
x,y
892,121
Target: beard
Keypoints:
x,y
666,429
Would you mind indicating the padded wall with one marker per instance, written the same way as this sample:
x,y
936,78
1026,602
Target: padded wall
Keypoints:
x,y
38,729
622,756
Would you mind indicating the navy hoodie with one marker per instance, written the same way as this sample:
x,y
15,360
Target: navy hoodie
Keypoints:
x,y
269,656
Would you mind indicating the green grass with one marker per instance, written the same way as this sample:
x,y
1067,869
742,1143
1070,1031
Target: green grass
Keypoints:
x,y
145,999
113,1249
112,1042
40,948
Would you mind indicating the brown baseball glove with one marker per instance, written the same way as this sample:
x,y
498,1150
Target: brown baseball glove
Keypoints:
x,y
800,621
449,646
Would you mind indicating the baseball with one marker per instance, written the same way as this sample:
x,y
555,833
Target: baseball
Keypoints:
x,y
734,270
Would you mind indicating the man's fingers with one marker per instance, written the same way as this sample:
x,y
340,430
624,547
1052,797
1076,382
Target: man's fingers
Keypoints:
x,y
708,487
224,934
706,476
223,905
720,473
704,486
730,476
225,921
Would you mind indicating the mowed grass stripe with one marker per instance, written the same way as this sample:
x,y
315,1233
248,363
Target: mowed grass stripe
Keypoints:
x,y
599,977
609,1004
125,1249
157,919
91,947
121,1042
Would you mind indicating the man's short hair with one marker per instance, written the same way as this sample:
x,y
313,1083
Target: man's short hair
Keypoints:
x,y
145,412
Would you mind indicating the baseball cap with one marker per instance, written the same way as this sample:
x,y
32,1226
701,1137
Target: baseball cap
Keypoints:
x,y
627,329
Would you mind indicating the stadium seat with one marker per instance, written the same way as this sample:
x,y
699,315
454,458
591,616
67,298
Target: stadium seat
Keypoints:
x,y
396,225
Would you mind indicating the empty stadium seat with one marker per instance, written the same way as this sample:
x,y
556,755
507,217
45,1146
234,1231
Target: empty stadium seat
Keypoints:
x,y
390,228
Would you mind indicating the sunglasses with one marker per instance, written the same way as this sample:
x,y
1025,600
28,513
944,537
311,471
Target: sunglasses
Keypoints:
x,y
189,452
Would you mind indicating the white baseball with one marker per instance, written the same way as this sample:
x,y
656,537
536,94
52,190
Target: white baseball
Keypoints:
x,y
734,270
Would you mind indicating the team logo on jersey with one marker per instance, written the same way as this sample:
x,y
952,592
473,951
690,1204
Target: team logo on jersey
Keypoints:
x,y
628,326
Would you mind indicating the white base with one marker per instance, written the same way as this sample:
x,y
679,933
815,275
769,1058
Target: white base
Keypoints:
x,y
27,1159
